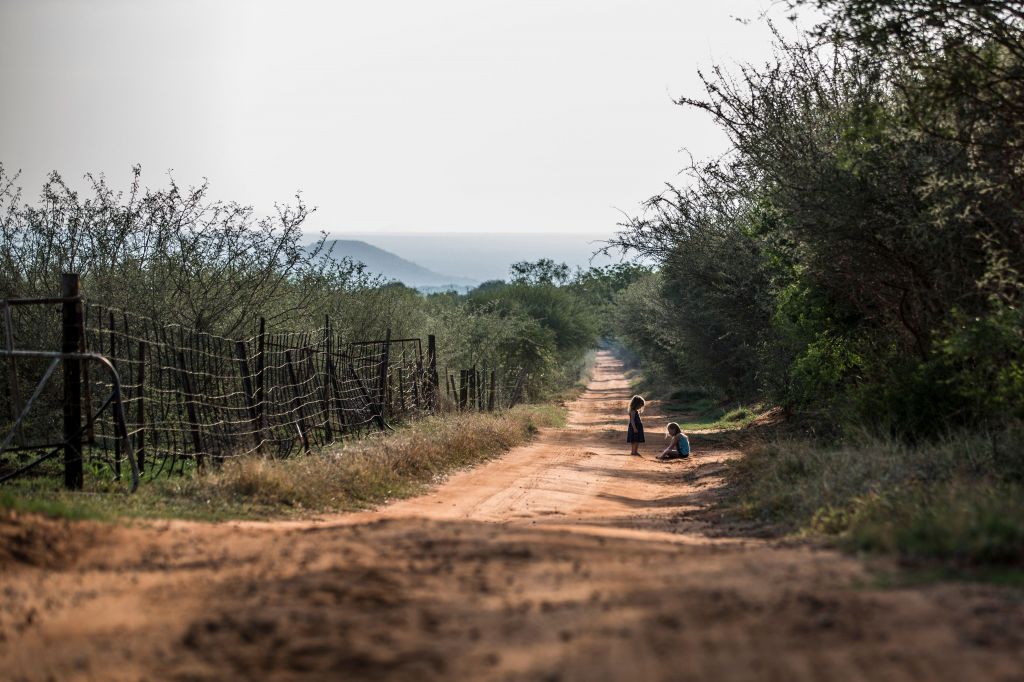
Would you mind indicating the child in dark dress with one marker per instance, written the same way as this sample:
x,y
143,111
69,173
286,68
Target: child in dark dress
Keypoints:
x,y
635,434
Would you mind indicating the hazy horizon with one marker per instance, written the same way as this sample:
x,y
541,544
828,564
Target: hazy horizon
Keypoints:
x,y
492,254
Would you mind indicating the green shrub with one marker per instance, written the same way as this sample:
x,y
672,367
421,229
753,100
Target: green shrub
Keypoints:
x,y
738,415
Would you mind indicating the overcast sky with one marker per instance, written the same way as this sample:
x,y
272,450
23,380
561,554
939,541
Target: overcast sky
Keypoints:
x,y
400,116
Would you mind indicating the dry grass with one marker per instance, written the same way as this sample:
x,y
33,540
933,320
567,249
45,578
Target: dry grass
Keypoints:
x,y
378,468
957,499
354,475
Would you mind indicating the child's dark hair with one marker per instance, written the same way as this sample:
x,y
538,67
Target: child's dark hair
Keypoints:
x,y
637,403
673,428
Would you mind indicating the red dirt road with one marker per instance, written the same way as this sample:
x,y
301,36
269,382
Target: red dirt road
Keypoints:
x,y
564,560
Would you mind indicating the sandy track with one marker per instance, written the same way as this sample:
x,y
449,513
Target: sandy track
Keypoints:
x,y
564,560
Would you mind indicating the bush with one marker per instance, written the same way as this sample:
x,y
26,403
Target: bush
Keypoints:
x,y
738,415
859,249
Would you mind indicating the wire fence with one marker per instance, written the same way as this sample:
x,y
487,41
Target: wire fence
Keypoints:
x,y
191,398
196,396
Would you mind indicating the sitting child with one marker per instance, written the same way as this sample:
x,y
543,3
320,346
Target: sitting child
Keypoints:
x,y
679,447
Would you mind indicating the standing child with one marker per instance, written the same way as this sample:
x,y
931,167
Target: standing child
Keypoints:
x,y
635,434
679,447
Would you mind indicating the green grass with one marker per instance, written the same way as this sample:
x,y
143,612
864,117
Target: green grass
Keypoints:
x,y
692,409
355,475
954,505
696,411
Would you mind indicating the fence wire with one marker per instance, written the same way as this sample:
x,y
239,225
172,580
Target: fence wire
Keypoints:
x,y
193,395
193,398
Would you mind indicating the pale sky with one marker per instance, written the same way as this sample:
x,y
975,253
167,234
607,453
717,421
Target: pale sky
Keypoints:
x,y
400,116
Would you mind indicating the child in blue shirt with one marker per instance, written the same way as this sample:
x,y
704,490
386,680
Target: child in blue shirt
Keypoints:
x,y
679,447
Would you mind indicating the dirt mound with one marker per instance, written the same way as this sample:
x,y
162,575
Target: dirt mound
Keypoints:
x,y
771,417
32,540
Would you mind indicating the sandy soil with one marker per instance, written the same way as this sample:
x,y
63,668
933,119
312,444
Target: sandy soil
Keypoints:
x,y
564,560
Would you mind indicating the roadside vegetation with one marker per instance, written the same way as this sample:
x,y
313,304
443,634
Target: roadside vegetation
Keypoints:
x,y
354,475
178,256
857,259
958,499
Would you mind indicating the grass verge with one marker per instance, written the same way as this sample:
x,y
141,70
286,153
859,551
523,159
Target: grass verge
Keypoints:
x,y
354,475
954,504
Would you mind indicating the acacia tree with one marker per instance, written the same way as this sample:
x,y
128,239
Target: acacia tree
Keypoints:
x,y
173,253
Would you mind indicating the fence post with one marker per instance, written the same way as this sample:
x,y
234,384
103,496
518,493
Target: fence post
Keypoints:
x,y
296,404
113,361
517,392
140,445
474,395
434,394
261,363
250,400
491,393
71,342
479,382
463,388
332,375
327,383
190,406
382,379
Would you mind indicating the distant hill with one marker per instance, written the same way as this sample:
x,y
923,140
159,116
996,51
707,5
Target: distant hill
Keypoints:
x,y
388,265
482,256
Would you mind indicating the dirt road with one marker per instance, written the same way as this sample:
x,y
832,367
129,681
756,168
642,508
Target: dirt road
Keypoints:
x,y
564,560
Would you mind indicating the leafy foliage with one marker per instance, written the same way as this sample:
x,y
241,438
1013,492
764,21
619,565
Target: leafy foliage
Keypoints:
x,y
860,249
178,256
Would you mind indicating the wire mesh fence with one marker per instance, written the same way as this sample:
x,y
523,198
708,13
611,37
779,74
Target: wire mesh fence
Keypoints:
x,y
193,395
192,398
484,387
